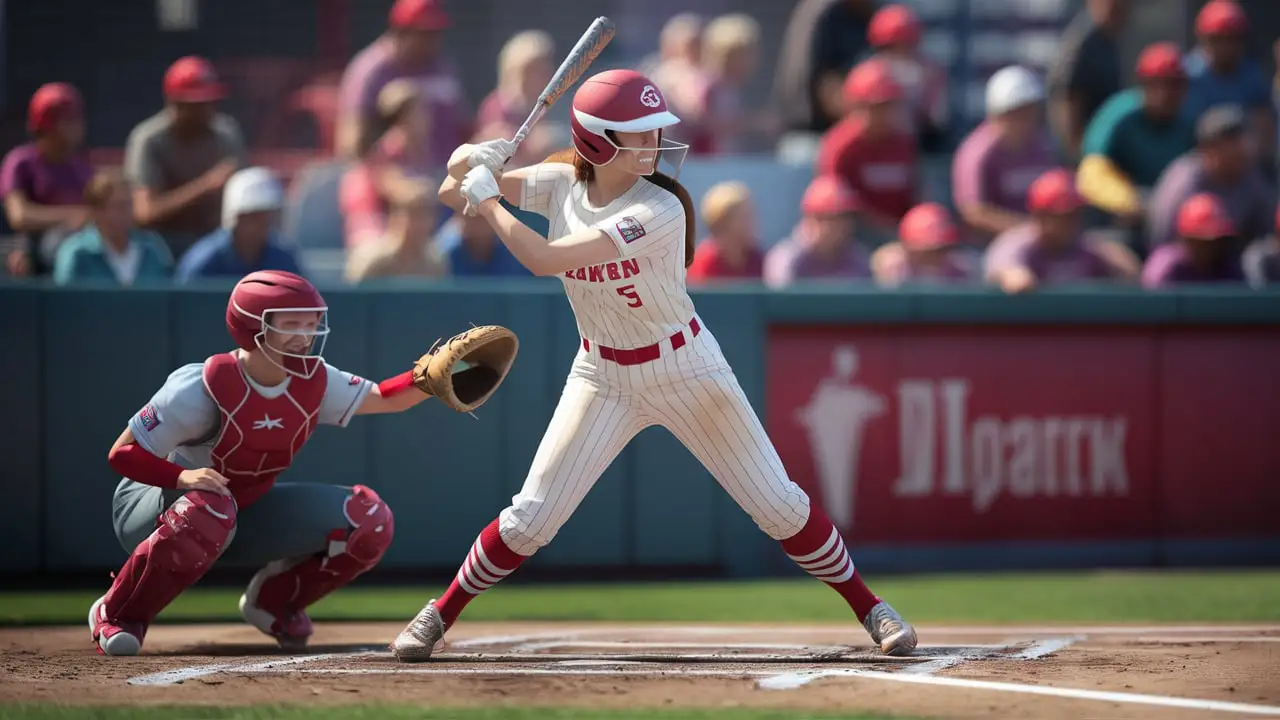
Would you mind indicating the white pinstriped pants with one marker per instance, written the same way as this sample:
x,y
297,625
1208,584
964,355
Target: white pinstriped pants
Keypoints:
x,y
699,402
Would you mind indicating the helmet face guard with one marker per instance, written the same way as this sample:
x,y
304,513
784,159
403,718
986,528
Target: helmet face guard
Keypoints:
x,y
302,364
668,157
595,131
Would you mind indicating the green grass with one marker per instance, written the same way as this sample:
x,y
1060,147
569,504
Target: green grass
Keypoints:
x,y
1236,596
394,712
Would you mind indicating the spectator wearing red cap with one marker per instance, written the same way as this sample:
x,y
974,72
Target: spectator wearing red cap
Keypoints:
x,y
1052,248
823,245
1203,252
179,159
871,151
43,181
1222,72
410,49
894,34
996,164
1136,135
732,250
1223,164
1262,259
927,251
1087,70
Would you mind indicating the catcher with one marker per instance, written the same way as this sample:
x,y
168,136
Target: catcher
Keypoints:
x,y
200,462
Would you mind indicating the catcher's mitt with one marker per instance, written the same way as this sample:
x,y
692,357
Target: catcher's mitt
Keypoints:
x,y
466,371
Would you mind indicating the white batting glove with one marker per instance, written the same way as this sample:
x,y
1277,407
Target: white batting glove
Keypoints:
x,y
492,154
479,185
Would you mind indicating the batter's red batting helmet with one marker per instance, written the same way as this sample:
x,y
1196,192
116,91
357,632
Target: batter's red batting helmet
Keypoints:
x,y
51,104
618,101
249,310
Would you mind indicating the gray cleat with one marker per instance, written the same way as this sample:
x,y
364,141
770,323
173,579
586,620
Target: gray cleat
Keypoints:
x,y
887,628
423,635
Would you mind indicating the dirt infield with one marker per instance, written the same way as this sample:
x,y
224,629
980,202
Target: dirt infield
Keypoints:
x,y
967,672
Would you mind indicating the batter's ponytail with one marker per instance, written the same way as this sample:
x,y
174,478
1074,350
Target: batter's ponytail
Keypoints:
x,y
585,172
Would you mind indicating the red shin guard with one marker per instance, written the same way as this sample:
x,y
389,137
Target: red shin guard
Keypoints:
x,y
192,533
289,586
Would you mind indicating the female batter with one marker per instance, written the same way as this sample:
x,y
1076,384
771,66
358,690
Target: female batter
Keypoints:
x,y
624,234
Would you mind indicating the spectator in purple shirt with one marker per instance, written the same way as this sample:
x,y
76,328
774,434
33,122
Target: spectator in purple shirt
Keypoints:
x,y
823,246
43,181
1202,253
411,49
1052,248
927,250
995,165
1221,164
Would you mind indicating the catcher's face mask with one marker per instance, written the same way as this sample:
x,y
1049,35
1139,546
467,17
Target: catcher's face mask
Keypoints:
x,y
293,339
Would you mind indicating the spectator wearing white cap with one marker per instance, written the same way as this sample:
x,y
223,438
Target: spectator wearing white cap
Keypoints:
x,y
996,164
249,239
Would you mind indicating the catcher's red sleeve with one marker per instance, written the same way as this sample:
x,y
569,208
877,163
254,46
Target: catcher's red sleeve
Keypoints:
x,y
396,385
136,463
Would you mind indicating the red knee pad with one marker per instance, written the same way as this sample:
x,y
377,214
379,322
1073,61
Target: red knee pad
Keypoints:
x,y
352,551
373,527
202,524
190,535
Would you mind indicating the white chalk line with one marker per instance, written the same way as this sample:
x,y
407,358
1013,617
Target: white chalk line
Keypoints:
x,y
779,681
1046,647
1061,692
560,670
629,645
1206,639
179,675
793,630
176,676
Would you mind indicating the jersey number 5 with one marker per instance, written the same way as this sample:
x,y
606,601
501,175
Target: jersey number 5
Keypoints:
x,y
629,292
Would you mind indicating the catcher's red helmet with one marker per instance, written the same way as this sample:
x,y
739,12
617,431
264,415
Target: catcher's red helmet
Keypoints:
x,y
262,293
621,101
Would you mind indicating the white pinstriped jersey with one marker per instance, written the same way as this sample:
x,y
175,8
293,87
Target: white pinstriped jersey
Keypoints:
x,y
640,298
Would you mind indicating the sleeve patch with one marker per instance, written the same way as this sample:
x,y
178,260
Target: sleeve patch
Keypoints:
x,y
150,417
630,229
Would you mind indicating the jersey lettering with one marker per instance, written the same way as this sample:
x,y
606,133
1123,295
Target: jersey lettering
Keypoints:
x,y
621,270
639,298
629,292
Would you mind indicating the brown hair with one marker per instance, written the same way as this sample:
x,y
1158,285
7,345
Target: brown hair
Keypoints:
x,y
585,172
101,186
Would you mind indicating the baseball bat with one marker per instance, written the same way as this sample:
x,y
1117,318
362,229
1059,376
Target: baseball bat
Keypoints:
x,y
584,52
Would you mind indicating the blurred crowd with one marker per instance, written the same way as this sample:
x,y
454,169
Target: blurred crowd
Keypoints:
x,y
1069,178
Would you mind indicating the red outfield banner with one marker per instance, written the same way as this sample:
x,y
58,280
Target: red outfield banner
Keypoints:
x,y
972,434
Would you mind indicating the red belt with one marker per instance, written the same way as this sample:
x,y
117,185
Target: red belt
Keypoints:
x,y
648,353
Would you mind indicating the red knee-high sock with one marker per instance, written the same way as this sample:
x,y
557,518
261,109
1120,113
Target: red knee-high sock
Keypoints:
x,y
489,561
820,551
